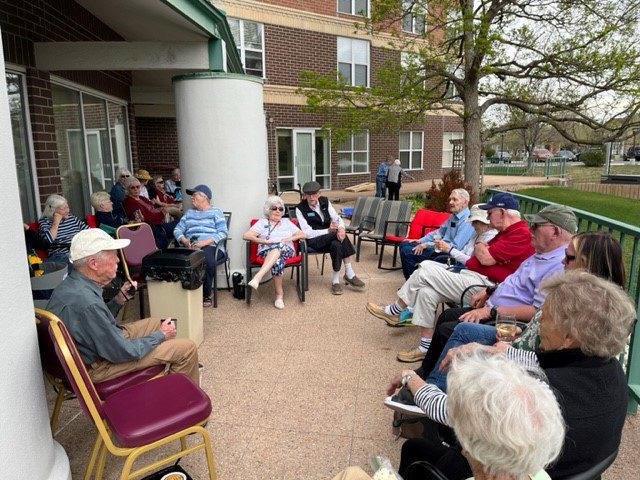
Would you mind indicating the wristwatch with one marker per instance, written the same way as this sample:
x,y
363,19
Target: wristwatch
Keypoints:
x,y
406,378
493,313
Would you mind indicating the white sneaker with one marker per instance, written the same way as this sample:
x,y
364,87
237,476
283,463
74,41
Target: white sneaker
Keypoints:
x,y
254,284
279,303
412,410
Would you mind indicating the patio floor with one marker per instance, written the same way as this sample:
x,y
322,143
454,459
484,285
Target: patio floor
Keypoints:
x,y
297,394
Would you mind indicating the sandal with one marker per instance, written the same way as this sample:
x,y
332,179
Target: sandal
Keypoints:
x,y
206,302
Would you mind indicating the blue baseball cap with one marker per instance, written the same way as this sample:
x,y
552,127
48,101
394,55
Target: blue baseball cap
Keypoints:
x,y
200,188
501,200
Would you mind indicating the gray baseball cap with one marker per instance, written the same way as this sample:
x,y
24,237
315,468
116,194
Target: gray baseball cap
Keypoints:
x,y
559,215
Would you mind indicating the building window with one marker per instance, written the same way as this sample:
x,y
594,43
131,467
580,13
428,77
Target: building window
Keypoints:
x,y
311,149
353,61
354,7
414,20
353,154
447,148
249,38
411,150
21,145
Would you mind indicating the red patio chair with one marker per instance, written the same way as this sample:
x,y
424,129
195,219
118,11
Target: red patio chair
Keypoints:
x,y
299,263
42,253
91,221
423,222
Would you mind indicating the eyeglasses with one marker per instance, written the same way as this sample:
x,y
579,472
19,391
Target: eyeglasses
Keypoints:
x,y
569,258
125,176
280,209
534,226
134,187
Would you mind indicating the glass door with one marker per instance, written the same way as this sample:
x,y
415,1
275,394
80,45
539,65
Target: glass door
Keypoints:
x,y
304,155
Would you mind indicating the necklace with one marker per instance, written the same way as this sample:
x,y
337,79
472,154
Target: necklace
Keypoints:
x,y
271,229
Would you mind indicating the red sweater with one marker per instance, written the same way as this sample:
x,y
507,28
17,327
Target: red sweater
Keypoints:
x,y
150,213
509,248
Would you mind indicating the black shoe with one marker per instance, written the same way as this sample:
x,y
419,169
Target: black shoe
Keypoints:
x,y
404,396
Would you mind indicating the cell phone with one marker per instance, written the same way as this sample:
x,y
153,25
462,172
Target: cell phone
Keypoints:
x,y
131,291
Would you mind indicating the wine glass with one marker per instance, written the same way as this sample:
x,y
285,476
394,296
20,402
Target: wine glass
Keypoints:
x,y
436,237
506,327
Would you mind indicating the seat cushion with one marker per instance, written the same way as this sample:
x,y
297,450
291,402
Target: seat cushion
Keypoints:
x,y
394,238
109,387
152,410
288,261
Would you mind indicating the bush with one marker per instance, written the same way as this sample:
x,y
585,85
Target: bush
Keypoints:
x,y
438,195
592,158
489,153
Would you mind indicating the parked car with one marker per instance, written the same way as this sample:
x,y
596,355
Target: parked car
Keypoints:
x,y
632,153
540,154
501,156
570,156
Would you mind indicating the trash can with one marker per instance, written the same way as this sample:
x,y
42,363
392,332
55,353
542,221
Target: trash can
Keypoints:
x,y
174,279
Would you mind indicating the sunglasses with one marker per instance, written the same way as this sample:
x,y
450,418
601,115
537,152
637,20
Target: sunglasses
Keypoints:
x,y
569,258
280,209
125,176
160,181
534,226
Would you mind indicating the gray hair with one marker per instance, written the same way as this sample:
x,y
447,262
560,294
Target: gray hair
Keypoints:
x,y
270,202
81,263
513,213
98,198
597,313
122,171
129,181
505,418
53,201
156,178
462,193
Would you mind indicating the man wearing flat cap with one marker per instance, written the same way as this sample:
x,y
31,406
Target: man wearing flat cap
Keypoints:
x,y
325,232
110,350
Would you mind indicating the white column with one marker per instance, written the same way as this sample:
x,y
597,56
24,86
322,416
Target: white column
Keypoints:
x,y
222,141
27,448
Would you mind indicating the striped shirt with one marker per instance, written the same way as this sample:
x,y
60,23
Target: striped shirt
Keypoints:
x,y
203,224
66,231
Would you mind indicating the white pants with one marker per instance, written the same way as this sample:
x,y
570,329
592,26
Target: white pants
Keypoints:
x,y
430,284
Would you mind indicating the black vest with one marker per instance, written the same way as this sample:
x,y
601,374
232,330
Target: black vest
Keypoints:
x,y
312,218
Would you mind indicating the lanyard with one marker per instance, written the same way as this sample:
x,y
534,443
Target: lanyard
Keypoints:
x,y
271,229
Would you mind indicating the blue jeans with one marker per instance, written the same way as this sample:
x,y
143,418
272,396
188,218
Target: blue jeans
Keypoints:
x,y
465,332
409,259
380,187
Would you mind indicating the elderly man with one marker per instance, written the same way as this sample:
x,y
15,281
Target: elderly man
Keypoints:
x,y
325,232
110,350
173,185
118,192
455,231
432,284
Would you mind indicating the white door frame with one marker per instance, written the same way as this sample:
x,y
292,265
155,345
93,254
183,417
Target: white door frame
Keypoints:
x,y
294,144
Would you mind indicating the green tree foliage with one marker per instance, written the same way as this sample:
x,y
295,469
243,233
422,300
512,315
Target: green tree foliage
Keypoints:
x,y
565,63
592,158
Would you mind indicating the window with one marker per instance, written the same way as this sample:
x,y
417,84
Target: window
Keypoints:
x,y
354,7
353,154
412,67
249,38
447,147
411,150
21,146
353,61
413,18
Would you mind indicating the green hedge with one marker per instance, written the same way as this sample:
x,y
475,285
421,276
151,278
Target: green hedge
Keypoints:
x,y
592,158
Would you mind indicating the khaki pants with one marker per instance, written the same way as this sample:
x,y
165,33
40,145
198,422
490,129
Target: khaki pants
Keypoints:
x,y
430,284
181,354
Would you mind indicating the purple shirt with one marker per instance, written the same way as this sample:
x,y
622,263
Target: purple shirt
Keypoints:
x,y
522,286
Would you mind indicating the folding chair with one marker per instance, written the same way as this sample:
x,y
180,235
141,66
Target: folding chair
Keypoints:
x,y
364,216
424,221
139,418
596,471
299,263
56,376
142,243
227,217
389,211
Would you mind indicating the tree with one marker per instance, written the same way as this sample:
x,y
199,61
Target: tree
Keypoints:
x,y
559,62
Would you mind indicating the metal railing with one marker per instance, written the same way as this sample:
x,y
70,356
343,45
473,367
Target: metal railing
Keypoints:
x,y
554,167
629,237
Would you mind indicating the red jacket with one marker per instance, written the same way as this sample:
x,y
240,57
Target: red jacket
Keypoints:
x,y
151,214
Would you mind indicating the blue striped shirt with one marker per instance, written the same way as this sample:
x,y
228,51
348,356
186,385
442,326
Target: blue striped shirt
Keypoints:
x,y
203,224
66,231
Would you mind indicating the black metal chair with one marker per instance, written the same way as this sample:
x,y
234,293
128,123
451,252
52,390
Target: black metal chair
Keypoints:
x,y
595,472
227,217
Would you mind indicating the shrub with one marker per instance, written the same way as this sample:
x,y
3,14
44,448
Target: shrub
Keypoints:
x,y
438,195
592,158
489,153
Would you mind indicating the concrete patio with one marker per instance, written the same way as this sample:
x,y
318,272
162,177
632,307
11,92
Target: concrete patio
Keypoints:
x,y
297,394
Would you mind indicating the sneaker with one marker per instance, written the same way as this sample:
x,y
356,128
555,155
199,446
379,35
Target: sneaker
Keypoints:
x,y
378,311
254,284
406,315
403,402
411,356
206,302
336,289
279,303
353,281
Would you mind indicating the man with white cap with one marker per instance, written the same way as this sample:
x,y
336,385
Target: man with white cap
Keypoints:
x,y
107,349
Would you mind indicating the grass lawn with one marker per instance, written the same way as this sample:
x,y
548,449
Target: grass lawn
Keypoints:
x,y
618,208
575,173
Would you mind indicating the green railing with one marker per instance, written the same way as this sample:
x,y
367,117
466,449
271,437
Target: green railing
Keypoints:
x,y
629,237
555,167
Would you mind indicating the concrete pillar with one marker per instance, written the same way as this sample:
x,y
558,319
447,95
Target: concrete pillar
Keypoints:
x,y
27,448
222,142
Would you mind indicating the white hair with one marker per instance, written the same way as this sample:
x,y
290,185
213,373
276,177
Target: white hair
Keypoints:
x,y
270,202
53,201
462,193
505,418
122,171
129,181
81,263
98,198
513,213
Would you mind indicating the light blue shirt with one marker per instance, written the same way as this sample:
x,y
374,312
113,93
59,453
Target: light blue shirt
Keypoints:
x,y
456,231
203,224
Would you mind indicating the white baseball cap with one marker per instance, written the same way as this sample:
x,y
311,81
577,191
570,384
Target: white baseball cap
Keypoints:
x,y
477,214
89,242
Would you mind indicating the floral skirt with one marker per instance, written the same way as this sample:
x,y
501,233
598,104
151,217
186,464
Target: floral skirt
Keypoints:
x,y
286,252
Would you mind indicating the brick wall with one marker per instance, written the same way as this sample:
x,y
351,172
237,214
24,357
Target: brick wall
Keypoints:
x,y
157,140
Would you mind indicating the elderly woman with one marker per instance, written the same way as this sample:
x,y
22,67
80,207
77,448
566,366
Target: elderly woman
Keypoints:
x,y
144,177
118,191
204,227
275,236
141,209
106,218
57,227
577,352
161,199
